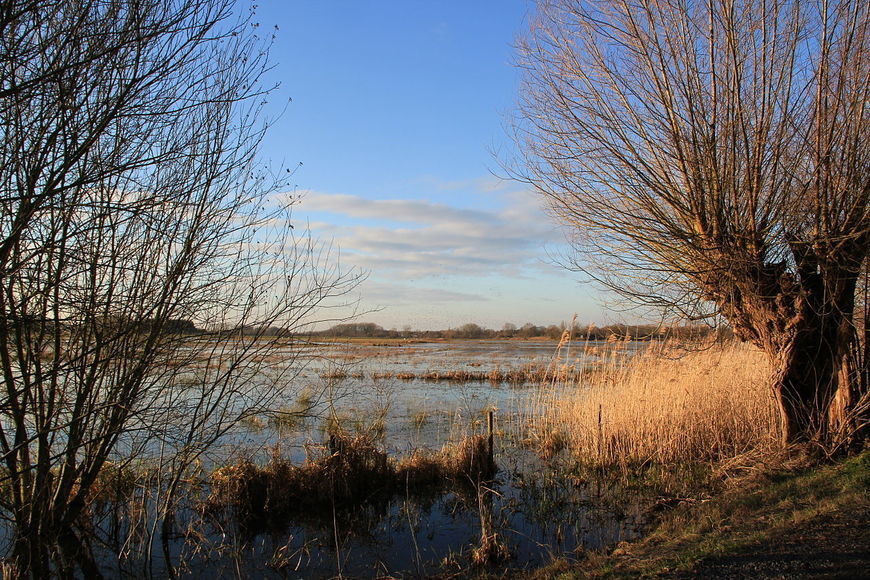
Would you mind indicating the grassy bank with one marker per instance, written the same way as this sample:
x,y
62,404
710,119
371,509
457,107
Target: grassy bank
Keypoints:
x,y
755,514
650,418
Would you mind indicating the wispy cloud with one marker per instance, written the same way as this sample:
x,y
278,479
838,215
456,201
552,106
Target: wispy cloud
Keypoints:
x,y
410,239
399,210
402,295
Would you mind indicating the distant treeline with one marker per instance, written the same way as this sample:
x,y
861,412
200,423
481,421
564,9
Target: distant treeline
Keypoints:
x,y
528,330
475,331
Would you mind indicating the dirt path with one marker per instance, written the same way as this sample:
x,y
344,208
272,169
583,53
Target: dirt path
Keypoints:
x,y
833,546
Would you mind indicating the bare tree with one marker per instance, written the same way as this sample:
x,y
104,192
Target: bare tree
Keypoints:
x,y
132,199
712,158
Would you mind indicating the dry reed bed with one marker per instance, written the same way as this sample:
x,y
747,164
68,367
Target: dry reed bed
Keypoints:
x,y
527,373
353,472
665,405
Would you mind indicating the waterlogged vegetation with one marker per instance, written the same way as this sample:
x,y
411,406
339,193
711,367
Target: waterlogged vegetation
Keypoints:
x,y
401,458
444,458
439,458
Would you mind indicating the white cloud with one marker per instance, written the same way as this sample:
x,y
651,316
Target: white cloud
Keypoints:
x,y
399,295
410,239
398,210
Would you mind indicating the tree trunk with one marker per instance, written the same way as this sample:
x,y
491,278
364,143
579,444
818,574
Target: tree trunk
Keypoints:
x,y
807,384
818,372
59,553
74,554
30,555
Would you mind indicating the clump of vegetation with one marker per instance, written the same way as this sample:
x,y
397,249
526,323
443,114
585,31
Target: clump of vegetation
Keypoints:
x,y
532,372
352,471
548,442
288,417
666,406
422,468
492,548
285,419
334,374
349,473
420,418
468,461
253,423
115,482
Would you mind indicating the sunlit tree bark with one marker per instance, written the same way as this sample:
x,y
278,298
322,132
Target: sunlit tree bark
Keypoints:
x,y
712,157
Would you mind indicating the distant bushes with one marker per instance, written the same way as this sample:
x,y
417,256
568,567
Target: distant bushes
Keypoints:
x,y
473,331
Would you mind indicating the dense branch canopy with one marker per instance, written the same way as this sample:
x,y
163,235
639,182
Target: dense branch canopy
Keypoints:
x,y
132,197
700,148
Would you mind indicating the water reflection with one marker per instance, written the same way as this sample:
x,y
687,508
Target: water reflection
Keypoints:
x,y
532,511
537,514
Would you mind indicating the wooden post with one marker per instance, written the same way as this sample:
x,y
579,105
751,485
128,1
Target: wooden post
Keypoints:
x,y
600,435
489,432
600,463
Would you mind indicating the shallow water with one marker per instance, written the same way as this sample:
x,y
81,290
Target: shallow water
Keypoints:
x,y
417,413
537,510
537,517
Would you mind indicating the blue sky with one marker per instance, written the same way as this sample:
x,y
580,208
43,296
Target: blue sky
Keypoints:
x,y
398,116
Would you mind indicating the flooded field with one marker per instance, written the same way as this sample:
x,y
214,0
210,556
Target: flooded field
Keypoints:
x,y
408,399
419,394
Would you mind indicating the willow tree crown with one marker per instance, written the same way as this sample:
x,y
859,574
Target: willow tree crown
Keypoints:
x,y
691,144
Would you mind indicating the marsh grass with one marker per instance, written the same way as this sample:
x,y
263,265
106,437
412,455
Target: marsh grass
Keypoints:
x,y
283,420
664,405
352,470
289,417
528,373
358,422
253,423
491,548
116,482
265,494
420,418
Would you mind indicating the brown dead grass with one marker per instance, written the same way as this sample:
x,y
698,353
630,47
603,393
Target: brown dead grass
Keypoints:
x,y
666,405
529,373
354,471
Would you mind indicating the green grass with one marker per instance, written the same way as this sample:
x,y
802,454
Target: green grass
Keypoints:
x,y
757,509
